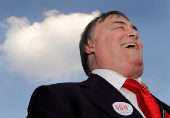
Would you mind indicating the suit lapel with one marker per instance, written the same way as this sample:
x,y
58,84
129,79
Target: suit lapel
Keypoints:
x,y
103,94
163,107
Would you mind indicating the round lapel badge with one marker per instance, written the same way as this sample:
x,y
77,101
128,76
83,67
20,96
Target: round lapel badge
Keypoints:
x,y
123,108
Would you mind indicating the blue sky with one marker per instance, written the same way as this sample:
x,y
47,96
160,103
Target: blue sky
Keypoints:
x,y
39,40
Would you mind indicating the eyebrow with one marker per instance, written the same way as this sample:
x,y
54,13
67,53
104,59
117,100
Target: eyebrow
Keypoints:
x,y
134,27
120,22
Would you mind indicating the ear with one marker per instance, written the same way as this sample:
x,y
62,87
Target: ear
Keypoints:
x,y
89,48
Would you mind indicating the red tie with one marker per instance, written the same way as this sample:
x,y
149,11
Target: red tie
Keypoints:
x,y
166,114
146,101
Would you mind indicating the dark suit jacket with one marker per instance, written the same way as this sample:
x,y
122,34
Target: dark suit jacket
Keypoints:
x,y
92,98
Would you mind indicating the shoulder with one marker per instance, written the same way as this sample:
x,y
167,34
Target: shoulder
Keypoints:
x,y
52,98
63,86
59,90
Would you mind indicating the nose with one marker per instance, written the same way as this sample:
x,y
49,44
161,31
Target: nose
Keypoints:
x,y
133,33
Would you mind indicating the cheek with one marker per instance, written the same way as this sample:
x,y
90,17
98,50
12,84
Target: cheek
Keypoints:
x,y
140,45
113,42
115,36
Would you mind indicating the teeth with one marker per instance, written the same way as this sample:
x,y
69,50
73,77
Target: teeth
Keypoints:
x,y
130,44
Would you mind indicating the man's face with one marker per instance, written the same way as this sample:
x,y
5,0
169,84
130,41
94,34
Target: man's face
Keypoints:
x,y
117,46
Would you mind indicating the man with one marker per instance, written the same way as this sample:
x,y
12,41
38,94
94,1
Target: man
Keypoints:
x,y
111,52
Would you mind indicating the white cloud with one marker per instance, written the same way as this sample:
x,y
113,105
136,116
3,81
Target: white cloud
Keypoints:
x,y
51,13
2,25
45,50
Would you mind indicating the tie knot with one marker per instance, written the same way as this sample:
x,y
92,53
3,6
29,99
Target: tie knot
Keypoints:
x,y
132,85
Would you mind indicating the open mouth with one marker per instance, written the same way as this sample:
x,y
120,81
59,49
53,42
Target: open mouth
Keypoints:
x,y
130,45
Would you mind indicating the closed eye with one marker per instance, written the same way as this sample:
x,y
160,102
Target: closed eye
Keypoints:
x,y
118,28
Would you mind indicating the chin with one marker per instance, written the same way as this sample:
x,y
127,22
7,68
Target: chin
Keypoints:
x,y
136,61
136,72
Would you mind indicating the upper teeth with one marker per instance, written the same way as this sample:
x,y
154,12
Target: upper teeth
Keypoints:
x,y
128,44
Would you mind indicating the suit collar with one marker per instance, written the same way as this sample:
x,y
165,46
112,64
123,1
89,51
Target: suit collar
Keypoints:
x,y
93,78
103,94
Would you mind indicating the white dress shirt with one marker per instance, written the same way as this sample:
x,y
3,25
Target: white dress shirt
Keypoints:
x,y
117,80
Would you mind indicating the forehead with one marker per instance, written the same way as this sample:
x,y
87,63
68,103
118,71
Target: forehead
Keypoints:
x,y
111,19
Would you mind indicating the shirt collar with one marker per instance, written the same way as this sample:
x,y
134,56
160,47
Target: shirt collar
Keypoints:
x,y
115,79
